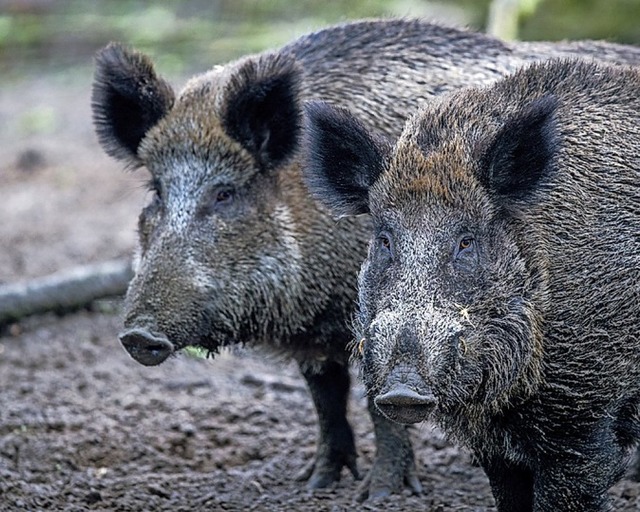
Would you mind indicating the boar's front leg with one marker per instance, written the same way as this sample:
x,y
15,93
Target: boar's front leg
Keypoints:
x,y
329,386
394,464
511,486
578,479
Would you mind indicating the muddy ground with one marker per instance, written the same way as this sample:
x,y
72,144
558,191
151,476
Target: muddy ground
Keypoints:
x,y
84,427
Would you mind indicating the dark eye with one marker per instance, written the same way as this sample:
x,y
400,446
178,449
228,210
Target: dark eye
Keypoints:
x,y
465,245
224,196
155,187
385,243
155,203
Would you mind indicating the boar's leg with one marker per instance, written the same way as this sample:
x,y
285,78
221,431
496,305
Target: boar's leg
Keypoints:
x,y
634,473
329,387
394,464
512,486
579,477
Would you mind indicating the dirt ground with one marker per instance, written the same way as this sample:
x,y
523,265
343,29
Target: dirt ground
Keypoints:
x,y
84,427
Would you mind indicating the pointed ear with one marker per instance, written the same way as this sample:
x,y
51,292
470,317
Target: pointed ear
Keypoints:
x,y
262,109
522,152
128,99
342,159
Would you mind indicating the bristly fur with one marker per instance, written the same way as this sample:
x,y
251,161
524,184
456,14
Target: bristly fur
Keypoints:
x,y
233,248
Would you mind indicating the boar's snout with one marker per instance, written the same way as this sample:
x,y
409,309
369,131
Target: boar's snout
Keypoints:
x,y
146,348
404,405
406,397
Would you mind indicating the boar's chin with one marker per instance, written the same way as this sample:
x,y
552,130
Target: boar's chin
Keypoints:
x,y
407,414
218,336
212,342
212,346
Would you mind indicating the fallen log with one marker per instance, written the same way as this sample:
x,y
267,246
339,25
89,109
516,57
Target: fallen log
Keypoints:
x,y
64,291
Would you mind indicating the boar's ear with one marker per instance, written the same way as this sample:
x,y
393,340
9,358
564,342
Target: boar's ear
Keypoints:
x,y
262,109
342,159
128,99
522,152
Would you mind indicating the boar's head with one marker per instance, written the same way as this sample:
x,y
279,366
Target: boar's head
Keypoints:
x,y
452,292
218,260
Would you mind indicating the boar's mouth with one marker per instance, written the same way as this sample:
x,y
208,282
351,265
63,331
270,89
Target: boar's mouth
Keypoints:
x,y
145,347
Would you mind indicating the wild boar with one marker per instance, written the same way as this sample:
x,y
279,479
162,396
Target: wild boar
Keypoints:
x,y
501,292
232,248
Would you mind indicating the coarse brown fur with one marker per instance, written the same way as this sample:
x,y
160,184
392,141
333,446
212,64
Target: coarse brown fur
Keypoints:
x,y
501,293
232,248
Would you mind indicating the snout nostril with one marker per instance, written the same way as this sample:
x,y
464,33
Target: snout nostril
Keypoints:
x,y
146,348
405,405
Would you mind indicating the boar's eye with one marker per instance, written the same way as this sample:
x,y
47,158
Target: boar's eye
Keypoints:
x,y
466,245
156,199
385,243
155,187
219,201
223,196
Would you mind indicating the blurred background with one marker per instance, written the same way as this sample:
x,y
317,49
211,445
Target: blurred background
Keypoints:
x,y
64,203
189,35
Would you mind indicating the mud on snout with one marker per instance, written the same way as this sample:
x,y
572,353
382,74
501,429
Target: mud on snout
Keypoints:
x,y
151,340
165,312
394,370
411,362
